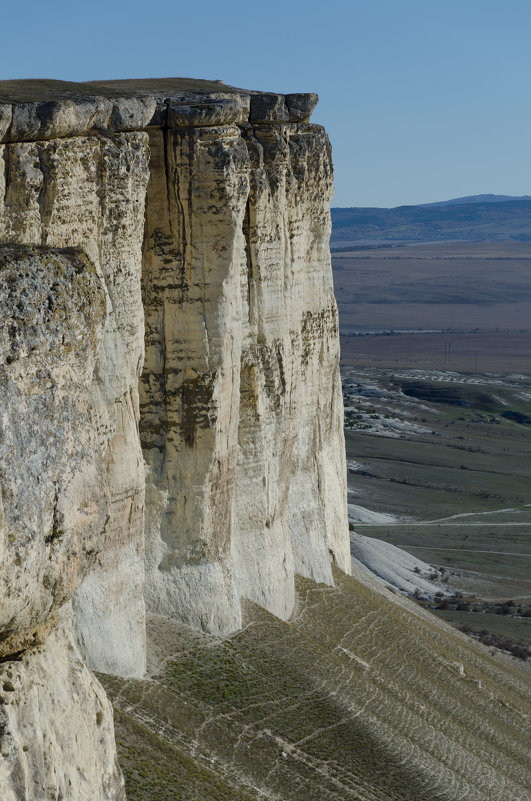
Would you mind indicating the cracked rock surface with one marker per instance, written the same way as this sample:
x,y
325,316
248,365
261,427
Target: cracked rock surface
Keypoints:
x,y
171,414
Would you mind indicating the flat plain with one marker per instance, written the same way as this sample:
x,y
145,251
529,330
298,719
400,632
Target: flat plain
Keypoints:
x,y
436,365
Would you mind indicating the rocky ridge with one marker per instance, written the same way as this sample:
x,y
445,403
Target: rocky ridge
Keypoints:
x,y
211,472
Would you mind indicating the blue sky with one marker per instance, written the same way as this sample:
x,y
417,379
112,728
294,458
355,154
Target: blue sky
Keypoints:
x,y
423,99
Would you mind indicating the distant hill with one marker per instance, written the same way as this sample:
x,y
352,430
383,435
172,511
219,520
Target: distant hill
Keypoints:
x,y
479,218
459,201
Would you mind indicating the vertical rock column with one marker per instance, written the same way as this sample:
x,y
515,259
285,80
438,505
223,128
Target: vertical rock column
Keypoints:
x,y
290,492
109,606
89,191
241,408
317,491
194,252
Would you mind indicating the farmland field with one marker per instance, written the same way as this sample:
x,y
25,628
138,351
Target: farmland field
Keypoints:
x,y
436,366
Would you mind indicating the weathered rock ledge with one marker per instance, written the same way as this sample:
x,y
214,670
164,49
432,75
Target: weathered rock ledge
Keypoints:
x,y
61,109
171,413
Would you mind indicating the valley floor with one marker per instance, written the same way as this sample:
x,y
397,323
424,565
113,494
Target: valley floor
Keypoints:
x,y
439,466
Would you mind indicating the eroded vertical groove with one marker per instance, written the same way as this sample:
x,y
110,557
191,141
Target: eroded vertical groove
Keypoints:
x,y
237,302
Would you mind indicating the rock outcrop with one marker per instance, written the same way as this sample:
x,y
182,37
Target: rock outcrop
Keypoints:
x,y
244,448
88,192
204,210
56,724
56,734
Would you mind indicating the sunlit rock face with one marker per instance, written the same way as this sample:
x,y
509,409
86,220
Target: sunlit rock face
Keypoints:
x,y
241,410
56,727
88,192
188,220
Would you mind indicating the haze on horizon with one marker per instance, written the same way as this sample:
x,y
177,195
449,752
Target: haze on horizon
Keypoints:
x,y
422,101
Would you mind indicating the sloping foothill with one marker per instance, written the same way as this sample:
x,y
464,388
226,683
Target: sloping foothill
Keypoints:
x,y
465,395
452,393
362,695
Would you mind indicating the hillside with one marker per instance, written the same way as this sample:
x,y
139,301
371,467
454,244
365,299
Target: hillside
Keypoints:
x,y
362,695
459,201
476,221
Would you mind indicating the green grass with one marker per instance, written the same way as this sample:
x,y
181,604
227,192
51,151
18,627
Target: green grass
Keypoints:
x,y
158,771
358,697
514,628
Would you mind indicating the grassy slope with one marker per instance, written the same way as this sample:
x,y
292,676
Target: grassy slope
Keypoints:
x,y
362,696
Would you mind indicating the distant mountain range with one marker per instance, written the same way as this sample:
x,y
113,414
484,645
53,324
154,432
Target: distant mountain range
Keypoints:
x,y
461,201
477,218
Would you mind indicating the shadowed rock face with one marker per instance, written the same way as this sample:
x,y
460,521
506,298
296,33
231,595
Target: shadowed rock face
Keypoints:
x,y
53,500
216,200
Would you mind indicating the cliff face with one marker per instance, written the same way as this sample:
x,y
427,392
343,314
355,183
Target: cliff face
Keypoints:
x,y
240,398
203,209
88,192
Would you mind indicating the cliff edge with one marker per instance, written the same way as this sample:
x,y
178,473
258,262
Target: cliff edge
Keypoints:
x,y
171,430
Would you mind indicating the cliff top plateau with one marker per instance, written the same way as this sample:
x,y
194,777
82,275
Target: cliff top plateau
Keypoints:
x,y
32,110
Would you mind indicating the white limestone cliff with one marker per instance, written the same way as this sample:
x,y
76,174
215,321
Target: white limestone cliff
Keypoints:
x,y
88,192
56,733
56,723
241,410
202,211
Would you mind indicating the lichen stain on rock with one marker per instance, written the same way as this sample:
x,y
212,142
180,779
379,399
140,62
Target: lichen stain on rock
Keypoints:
x,y
249,388
221,491
52,303
318,330
196,403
